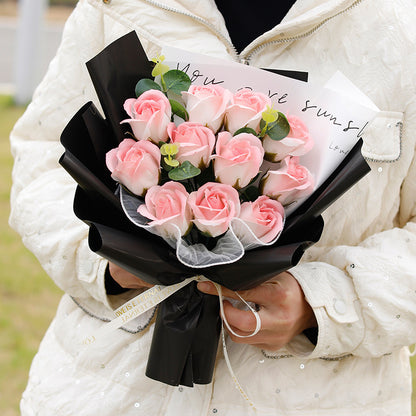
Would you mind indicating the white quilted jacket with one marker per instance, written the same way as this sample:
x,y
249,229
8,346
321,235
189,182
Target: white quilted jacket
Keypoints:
x,y
360,278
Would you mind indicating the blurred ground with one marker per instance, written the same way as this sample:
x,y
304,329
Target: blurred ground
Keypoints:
x,y
28,297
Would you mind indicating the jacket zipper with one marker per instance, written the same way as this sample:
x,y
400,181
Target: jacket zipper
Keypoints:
x,y
229,45
249,55
310,32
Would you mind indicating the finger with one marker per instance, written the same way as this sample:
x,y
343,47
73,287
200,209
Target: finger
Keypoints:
x,y
210,289
126,279
131,282
244,322
144,283
207,287
261,338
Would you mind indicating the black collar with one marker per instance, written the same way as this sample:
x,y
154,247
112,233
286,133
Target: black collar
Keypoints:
x,y
247,19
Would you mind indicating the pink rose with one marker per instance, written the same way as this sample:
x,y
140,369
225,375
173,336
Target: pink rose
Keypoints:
x,y
136,165
167,207
238,158
150,115
207,104
296,143
264,217
195,142
214,205
288,184
246,110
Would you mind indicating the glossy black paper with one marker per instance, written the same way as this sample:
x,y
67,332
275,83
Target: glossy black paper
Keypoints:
x,y
186,335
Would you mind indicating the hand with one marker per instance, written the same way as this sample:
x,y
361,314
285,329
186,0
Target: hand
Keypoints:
x,y
283,310
126,279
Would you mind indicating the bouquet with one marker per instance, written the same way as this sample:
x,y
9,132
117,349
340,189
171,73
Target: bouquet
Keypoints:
x,y
205,183
184,180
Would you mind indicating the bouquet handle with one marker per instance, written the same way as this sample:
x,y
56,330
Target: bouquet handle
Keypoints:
x,y
185,338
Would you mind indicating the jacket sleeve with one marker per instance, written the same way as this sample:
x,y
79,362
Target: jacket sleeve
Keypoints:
x,y
42,192
364,296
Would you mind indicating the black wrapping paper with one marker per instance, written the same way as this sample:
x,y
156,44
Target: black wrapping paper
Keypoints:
x,y
114,73
187,326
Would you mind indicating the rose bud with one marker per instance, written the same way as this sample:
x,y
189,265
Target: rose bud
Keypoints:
x,y
237,159
289,183
213,206
167,207
297,143
150,116
206,105
195,143
264,217
136,165
246,110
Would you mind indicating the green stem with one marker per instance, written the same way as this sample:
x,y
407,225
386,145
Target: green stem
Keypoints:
x,y
162,81
263,131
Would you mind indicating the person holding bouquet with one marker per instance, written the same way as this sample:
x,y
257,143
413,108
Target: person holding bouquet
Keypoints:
x,y
335,329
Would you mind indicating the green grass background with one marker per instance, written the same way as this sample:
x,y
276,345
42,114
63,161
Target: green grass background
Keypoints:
x,y
28,298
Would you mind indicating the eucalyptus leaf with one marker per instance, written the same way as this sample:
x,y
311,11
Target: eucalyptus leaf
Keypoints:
x,y
146,84
179,110
185,171
279,129
166,168
176,81
171,162
245,130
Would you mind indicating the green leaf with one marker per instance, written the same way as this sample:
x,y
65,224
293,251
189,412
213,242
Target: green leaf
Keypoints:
x,y
146,84
165,170
185,171
169,149
176,81
245,130
279,129
179,110
159,69
270,115
171,162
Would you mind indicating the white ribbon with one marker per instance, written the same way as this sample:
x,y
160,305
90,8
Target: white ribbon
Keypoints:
x,y
139,305
157,294
255,313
